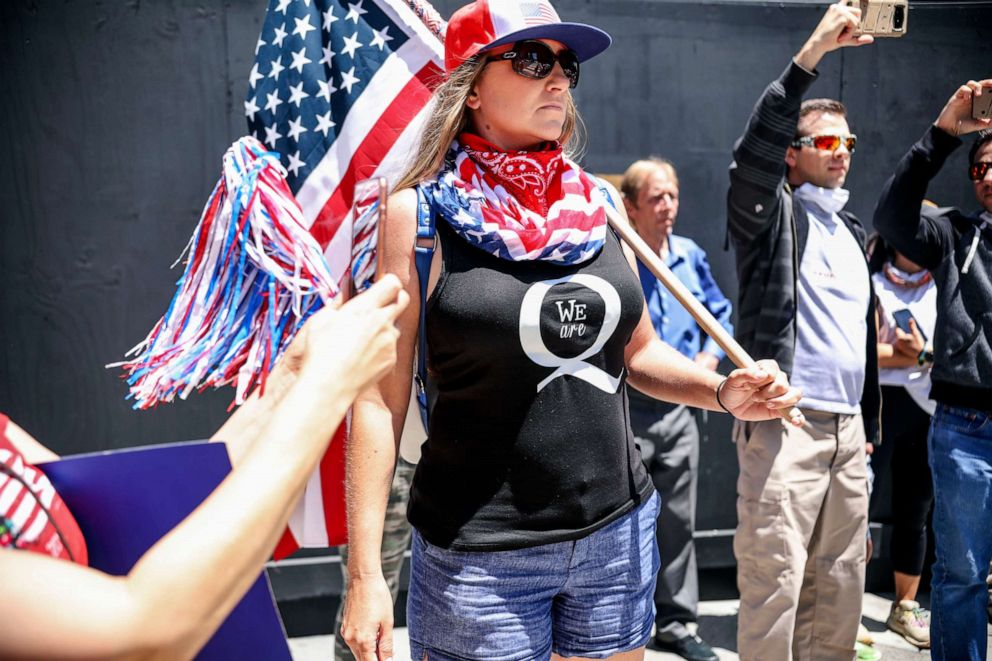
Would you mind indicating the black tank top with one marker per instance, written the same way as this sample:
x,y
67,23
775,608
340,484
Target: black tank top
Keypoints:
x,y
529,441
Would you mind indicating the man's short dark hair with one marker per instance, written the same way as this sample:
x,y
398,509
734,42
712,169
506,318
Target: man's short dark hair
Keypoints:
x,y
811,106
984,136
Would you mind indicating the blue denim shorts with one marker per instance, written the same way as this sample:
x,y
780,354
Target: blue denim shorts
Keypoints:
x,y
592,597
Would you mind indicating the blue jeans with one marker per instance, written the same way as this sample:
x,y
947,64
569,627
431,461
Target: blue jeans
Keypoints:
x,y
961,463
591,597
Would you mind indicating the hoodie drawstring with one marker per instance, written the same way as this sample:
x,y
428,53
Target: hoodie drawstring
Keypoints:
x,y
974,246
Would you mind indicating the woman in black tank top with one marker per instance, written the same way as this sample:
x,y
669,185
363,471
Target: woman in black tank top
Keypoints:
x,y
534,321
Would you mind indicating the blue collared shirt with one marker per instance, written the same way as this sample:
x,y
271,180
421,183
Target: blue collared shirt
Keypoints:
x,y
671,321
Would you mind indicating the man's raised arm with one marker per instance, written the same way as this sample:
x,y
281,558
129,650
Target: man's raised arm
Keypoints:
x,y
920,235
759,171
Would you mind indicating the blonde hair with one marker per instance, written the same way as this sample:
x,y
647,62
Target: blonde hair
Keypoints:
x,y
633,178
450,117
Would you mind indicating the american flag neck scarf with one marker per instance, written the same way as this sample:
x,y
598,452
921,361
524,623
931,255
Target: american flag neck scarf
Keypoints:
x,y
522,205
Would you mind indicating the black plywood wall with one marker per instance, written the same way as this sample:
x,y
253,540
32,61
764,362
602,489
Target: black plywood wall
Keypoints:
x,y
114,116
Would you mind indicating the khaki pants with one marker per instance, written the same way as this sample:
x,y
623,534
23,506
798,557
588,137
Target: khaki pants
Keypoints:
x,y
802,511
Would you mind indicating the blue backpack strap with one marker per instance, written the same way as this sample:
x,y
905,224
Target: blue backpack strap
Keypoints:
x,y
423,256
606,193
609,198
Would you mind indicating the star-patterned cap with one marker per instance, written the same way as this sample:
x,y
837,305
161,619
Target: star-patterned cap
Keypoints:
x,y
486,24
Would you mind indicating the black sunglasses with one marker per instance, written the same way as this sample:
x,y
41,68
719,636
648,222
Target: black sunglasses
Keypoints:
x,y
977,171
535,59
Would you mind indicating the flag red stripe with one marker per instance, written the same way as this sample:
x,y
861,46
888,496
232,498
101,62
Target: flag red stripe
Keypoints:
x,y
332,468
380,139
287,545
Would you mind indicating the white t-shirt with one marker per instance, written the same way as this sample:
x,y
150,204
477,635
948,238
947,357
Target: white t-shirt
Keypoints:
x,y
833,299
922,303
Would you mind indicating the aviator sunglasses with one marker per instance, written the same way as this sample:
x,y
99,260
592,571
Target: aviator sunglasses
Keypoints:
x,y
977,171
535,59
827,142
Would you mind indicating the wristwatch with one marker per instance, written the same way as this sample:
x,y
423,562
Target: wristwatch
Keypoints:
x,y
925,356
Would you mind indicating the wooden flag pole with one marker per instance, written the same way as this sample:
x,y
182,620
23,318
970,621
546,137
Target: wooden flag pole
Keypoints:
x,y
706,321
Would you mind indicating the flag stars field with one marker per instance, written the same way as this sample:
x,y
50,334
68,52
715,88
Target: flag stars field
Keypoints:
x,y
306,78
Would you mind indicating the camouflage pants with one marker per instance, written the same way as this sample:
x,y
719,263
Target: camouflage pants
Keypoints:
x,y
395,541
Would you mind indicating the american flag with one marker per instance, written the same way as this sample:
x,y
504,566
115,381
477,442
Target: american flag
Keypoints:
x,y
340,90
538,13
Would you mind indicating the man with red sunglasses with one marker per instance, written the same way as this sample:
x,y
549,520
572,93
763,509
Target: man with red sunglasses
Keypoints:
x,y
957,248
806,299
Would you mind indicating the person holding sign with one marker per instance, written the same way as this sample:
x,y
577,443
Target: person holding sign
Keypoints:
x,y
185,586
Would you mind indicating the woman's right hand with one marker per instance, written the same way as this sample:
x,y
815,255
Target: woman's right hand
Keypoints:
x,y
367,627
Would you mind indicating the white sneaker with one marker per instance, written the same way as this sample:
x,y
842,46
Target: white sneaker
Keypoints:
x,y
911,622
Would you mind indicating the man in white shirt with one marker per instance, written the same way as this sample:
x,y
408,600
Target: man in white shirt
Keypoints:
x,y
805,299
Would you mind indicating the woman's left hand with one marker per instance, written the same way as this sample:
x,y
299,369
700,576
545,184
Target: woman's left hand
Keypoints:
x,y
758,392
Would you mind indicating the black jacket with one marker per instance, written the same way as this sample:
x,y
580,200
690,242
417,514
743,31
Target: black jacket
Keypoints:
x,y
940,240
769,229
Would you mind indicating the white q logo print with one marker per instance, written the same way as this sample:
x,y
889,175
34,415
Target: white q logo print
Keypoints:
x,y
533,345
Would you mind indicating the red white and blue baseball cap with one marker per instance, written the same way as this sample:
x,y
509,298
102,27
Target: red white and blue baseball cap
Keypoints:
x,y
486,24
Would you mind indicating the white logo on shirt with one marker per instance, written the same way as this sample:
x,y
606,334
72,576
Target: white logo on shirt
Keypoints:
x,y
572,316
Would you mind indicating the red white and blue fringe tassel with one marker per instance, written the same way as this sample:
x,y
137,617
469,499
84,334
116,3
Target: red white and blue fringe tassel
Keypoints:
x,y
364,247
253,275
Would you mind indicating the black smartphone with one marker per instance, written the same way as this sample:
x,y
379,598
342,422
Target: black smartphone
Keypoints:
x,y
368,219
902,318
